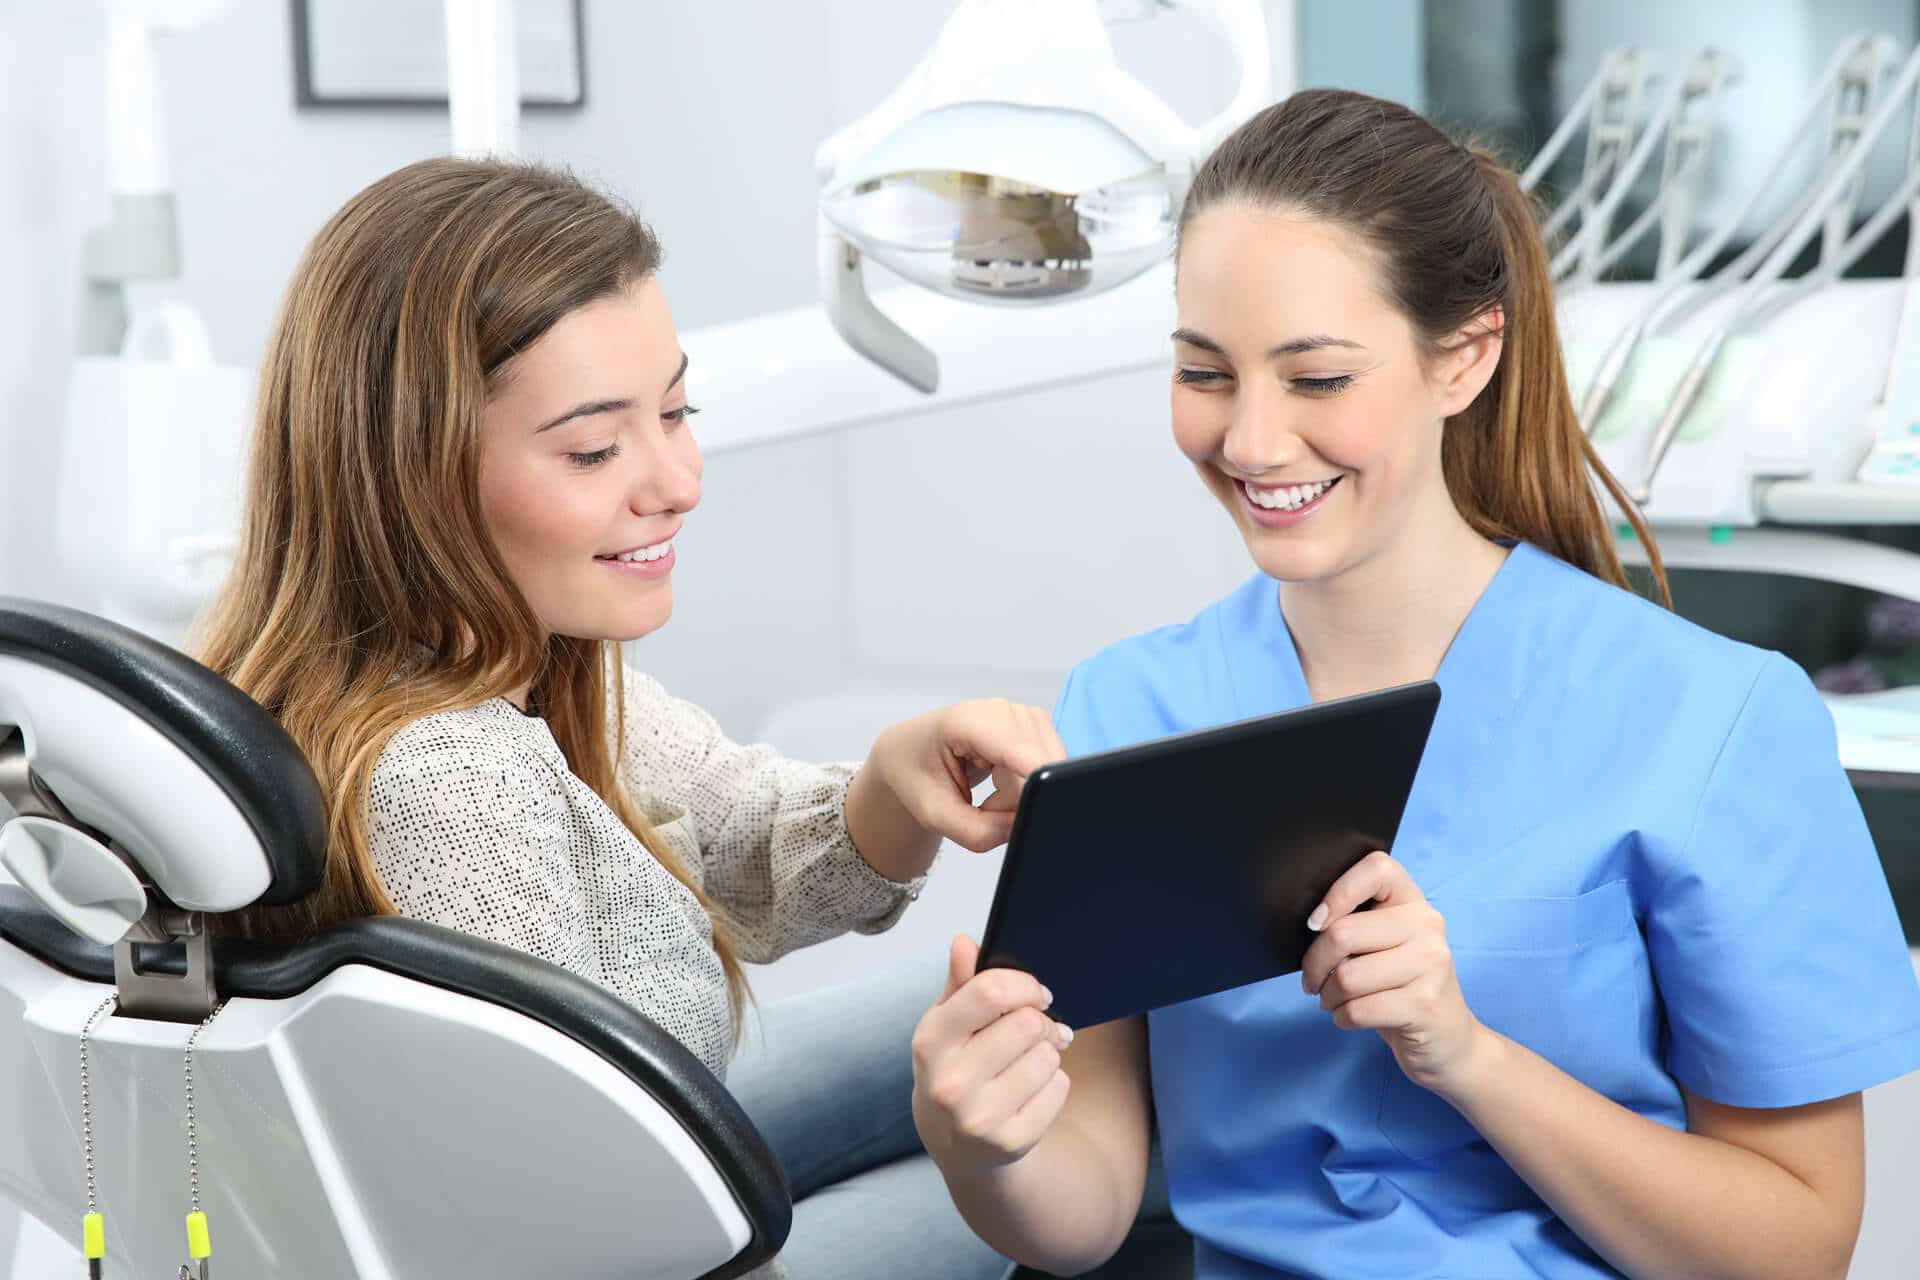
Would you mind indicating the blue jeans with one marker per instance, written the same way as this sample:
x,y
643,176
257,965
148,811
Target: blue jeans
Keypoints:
x,y
827,1077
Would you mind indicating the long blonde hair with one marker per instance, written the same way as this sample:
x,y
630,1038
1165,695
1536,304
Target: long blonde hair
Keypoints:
x,y
367,592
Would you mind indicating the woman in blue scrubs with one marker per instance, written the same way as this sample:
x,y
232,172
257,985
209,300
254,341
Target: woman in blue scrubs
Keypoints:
x,y
1633,958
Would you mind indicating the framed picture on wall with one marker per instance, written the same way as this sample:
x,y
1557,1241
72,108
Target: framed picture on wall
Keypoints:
x,y
393,53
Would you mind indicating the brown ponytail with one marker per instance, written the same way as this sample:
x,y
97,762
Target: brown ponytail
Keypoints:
x,y
1458,237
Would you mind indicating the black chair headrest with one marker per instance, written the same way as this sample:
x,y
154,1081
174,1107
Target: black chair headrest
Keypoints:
x,y
238,745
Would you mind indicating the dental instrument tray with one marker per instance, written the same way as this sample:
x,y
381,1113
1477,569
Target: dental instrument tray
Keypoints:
x,y
1188,865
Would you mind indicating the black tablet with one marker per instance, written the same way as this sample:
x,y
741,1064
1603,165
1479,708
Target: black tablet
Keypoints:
x,y
1177,868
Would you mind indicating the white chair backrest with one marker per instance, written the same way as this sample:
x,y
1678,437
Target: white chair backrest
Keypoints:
x,y
372,1126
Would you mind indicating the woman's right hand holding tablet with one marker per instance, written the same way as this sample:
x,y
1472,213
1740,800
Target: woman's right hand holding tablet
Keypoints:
x,y
987,1082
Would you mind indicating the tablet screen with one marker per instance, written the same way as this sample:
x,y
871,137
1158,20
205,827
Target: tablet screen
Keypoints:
x,y
1188,865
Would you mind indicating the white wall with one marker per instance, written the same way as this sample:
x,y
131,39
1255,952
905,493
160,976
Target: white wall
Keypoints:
x,y
705,115
47,55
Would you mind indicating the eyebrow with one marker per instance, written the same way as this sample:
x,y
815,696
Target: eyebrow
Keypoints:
x,y
1291,347
591,407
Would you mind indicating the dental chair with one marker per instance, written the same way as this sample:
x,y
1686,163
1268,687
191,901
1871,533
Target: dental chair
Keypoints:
x,y
386,1098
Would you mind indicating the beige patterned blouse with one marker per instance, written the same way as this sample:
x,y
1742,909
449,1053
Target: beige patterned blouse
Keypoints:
x,y
476,823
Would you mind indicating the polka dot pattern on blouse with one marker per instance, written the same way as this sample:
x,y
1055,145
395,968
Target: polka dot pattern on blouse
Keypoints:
x,y
475,822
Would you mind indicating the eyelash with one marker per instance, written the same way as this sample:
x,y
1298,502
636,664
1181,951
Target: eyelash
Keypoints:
x,y
595,458
1324,386
1312,386
598,456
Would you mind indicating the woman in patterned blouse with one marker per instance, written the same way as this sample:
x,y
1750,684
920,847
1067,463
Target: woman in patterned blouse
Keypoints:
x,y
470,463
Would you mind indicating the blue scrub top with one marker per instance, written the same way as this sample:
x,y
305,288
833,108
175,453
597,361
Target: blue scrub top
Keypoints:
x,y
1654,873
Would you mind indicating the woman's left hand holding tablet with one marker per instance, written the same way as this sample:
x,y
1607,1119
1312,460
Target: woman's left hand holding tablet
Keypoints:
x,y
1389,969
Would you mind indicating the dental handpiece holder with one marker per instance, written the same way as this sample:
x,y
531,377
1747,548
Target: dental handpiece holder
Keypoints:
x,y
1707,394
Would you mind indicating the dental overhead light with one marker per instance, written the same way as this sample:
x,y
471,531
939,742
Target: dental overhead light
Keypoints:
x,y
1017,164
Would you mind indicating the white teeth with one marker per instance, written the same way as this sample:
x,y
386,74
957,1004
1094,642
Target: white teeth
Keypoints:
x,y
654,552
1288,497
